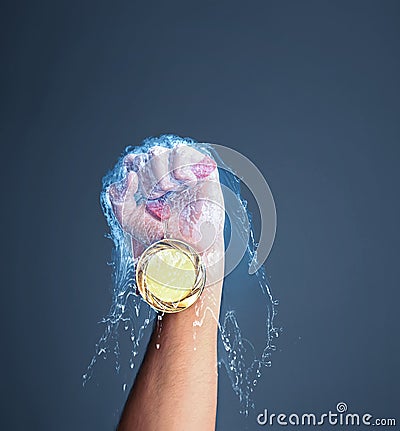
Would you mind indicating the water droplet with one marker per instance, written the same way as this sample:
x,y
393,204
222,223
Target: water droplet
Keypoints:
x,y
124,387
157,346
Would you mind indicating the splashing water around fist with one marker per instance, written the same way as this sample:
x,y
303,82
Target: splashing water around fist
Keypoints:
x,y
172,188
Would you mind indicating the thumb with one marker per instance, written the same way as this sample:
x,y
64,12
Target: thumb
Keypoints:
x,y
122,196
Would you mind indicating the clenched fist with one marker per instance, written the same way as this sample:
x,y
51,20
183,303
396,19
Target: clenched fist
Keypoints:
x,y
172,193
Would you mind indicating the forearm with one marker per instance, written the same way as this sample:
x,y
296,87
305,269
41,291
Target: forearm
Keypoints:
x,y
176,387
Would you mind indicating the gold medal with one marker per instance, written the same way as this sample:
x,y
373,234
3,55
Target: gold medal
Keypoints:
x,y
170,275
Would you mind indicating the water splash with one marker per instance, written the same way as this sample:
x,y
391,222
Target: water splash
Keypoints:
x,y
129,313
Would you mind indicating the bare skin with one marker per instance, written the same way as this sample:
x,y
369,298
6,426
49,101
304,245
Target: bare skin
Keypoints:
x,y
176,387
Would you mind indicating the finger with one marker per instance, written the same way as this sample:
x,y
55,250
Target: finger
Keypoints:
x,y
120,190
129,162
122,197
204,167
183,158
160,166
147,181
143,226
159,209
192,165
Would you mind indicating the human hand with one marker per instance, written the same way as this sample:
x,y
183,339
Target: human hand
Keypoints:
x,y
173,193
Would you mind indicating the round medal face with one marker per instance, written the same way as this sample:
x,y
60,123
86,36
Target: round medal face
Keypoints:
x,y
170,275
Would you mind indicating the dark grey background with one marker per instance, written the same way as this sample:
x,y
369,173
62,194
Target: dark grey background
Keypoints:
x,y
307,90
